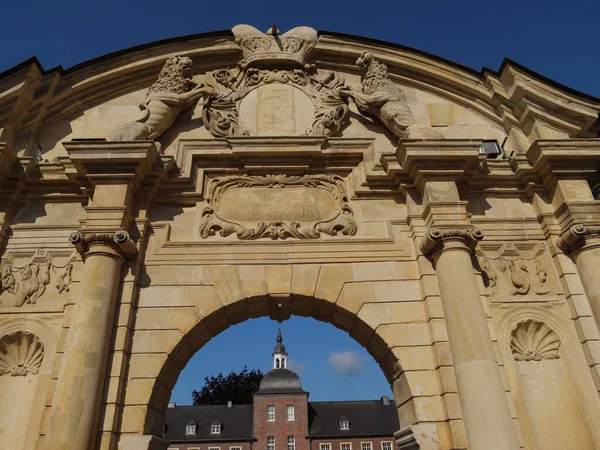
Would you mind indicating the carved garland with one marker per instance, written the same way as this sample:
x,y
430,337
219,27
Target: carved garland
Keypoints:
x,y
524,271
341,222
534,341
27,284
21,353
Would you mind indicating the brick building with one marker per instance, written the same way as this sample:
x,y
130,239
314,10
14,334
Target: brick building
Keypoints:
x,y
282,418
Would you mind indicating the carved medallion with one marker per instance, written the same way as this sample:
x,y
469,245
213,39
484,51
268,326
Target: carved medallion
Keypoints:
x,y
277,207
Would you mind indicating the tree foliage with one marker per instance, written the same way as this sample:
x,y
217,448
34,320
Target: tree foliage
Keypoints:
x,y
235,387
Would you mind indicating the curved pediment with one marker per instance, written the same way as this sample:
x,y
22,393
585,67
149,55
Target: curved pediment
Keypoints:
x,y
312,82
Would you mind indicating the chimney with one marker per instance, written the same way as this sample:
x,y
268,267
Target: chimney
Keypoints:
x,y
229,403
385,400
172,404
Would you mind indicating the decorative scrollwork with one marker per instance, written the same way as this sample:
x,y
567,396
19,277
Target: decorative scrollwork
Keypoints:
x,y
534,341
340,220
21,354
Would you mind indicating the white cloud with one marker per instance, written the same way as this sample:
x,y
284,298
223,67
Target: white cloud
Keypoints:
x,y
296,366
347,363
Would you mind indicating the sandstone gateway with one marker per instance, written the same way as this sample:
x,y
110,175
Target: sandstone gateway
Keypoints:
x,y
152,198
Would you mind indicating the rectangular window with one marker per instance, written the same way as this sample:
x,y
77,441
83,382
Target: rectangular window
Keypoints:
x,y
271,413
386,446
270,442
215,429
235,448
366,446
325,446
290,412
214,448
190,429
346,446
344,425
291,441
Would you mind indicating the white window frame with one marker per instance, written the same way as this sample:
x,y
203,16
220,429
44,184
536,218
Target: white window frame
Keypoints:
x,y
271,446
217,427
325,446
386,442
214,448
349,444
187,430
288,409
347,423
291,445
270,409
235,447
369,443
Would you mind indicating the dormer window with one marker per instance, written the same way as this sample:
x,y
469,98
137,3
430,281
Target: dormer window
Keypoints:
x,y
190,430
344,424
215,427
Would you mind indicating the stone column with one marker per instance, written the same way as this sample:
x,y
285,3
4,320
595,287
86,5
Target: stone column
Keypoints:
x,y
76,403
582,243
486,415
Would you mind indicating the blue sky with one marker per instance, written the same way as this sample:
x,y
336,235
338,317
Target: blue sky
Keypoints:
x,y
558,39
331,365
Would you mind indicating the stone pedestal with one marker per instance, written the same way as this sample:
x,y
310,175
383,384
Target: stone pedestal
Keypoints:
x,y
486,414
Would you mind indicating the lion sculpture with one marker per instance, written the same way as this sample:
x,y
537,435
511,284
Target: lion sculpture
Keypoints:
x,y
173,92
382,98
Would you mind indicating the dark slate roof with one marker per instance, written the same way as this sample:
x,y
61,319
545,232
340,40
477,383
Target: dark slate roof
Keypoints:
x,y
236,422
280,381
367,418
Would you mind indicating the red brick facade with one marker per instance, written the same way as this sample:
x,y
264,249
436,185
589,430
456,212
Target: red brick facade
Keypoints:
x,y
355,443
281,428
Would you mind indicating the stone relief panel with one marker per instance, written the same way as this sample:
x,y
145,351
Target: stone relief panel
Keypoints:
x,y
25,284
534,341
277,207
21,354
516,274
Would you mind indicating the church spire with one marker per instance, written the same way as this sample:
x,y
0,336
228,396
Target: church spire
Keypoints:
x,y
279,354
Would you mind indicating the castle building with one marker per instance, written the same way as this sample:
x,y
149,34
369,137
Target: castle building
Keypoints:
x,y
282,418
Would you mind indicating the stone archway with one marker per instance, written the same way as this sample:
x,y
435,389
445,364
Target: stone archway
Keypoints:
x,y
167,336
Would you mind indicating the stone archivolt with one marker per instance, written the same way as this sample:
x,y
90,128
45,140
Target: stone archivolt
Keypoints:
x,y
25,285
534,341
21,354
513,272
339,220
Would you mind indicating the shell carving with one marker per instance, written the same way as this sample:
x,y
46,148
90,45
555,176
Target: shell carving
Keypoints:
x,y
21,353
534,341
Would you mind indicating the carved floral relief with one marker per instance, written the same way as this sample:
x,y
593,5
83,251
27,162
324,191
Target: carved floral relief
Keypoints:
x,y
277,207
25,285
21,354
513,273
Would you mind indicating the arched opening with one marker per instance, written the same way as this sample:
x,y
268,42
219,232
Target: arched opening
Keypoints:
x,y
150,407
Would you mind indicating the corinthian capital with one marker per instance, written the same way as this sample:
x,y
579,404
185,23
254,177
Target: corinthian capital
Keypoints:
x,y
577,237
436,238
120,241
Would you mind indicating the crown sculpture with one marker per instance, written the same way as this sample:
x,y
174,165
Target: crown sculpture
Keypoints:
x,y
268,58
272,49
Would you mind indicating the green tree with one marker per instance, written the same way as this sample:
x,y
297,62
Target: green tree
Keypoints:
x,y
235,387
